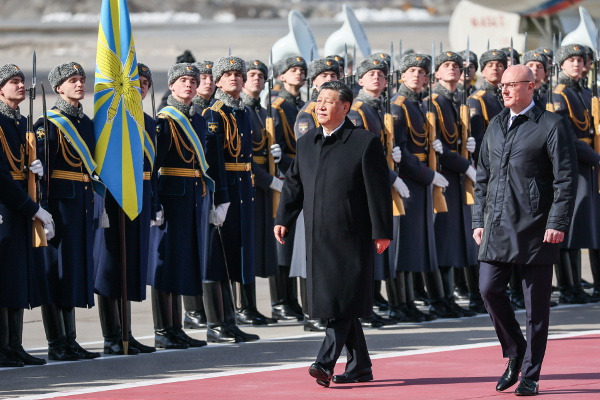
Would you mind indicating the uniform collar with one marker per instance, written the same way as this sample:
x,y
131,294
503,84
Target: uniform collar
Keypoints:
x,y
250,101
287,96
342,132
374,102
409,94
184,108
69,108
229,101
9,112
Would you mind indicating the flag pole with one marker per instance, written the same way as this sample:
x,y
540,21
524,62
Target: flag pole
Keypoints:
x,y
125,311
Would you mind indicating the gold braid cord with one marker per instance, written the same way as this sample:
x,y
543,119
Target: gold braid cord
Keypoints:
x,y
258,146
450,138
179,142
581,125
288,132
486,118
12,160
73,160
414,135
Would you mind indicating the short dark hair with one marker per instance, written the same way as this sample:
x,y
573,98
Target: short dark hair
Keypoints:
x,y
346,95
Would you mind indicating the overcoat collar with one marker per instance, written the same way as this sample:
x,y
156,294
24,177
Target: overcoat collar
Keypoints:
x,y
534,114
342,134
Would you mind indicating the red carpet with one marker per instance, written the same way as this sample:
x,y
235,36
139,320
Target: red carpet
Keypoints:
x,y
571,371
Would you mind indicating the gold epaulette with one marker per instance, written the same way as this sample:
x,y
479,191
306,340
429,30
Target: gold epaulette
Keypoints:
x,y
399,100
559,88
357,105
217,105
478,94
278,102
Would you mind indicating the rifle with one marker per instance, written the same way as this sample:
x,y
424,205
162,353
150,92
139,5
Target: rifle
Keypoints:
x,y
439,201
46,149
465,123
596,103
549,102
388,123
354,66
398,72
270,129
33,186
346,76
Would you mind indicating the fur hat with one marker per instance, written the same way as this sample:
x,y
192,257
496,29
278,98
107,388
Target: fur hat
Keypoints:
x,y
536,55
258,65
7,71
381,56
62,72
144,71
515,54
227,64
282,66
493,55
472,58
183,69
570,50
321,65
415,60
339,59
204,67
369,64
448,56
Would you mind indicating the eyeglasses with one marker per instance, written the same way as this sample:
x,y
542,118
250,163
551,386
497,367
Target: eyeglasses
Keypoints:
x,y
510,85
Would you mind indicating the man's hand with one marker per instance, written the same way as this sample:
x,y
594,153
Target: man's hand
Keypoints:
x,y
470,145
217,215
553,236
401,188
471,173
44,216
381,245
280,232
276,152
1,221
439,180
276,184
396,154
160,219
477,234
437,146
37,168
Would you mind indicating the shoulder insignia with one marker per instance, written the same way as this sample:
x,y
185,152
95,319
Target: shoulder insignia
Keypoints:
x,y
356,106
559,88
399,100
557,106
310,108
278,102
40,134
217,105
478,94
472,111
434,96
303,127
213,127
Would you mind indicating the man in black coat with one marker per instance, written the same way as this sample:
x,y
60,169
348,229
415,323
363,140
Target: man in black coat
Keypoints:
x,y
341,181
524,200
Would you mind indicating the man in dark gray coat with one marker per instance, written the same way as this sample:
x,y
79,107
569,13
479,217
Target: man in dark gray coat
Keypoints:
x,y
524,199
341,180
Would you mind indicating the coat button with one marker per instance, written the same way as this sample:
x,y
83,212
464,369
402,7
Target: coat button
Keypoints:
x,y
241,201
196,183
85,188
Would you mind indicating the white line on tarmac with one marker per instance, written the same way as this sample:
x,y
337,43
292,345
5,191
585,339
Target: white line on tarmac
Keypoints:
x,y
279,367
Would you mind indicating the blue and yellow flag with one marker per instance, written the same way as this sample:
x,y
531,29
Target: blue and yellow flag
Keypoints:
x,y
118,114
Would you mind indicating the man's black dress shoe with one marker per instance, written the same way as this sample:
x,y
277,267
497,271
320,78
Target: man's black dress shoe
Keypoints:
x,y
322,375
527,387
114,346
511,375
365,375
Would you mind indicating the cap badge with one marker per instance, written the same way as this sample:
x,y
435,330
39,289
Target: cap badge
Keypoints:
x,y
298,58
232,61
256,63
328,63
209,66
575,47
188,68
449,54
419,58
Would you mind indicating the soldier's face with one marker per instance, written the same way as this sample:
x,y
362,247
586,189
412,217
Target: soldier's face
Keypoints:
x,y
184,89
415,78
472,71
538,70
323,77
73,88
255,82
231,82
573,67
14,90
207,86
144,86
492,72
330,110
449,71
293,76
373,81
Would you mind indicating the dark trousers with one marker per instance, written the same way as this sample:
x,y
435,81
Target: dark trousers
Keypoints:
x,y
340,333
537,289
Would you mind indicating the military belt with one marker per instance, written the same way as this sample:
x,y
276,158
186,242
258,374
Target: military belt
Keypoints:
x,y
238,166
260,160
586,140
181,172
70,176
290,155
421,156
147,175
17,176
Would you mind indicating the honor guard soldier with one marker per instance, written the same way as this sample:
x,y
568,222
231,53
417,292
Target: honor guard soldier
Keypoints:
x,y
549,53
538,63
486,102
69,256
473,63
184,189
367,112
414,240
185,57
23,283
107,284
456,248
511,55
319,71
231,254
573,103
195,316
291,72
265,252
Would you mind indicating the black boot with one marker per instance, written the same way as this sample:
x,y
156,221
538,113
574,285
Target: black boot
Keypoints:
x,y
458,309
195,316
472,278
162,312
68,314
229,314
15,338
310,324
379,302
141,348
281,309
411,309
461,289
595,267
55,334
580,294
395,288
247,313
110,322
178,324
564,277
421,295
216,331
7,358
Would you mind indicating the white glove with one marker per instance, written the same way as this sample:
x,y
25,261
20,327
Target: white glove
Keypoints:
x,y
160,219
276,184
396,154
471,144
49,230
439,180
471,173
276,152
437,146
44,216
217,216
401,188
37,168
1,221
